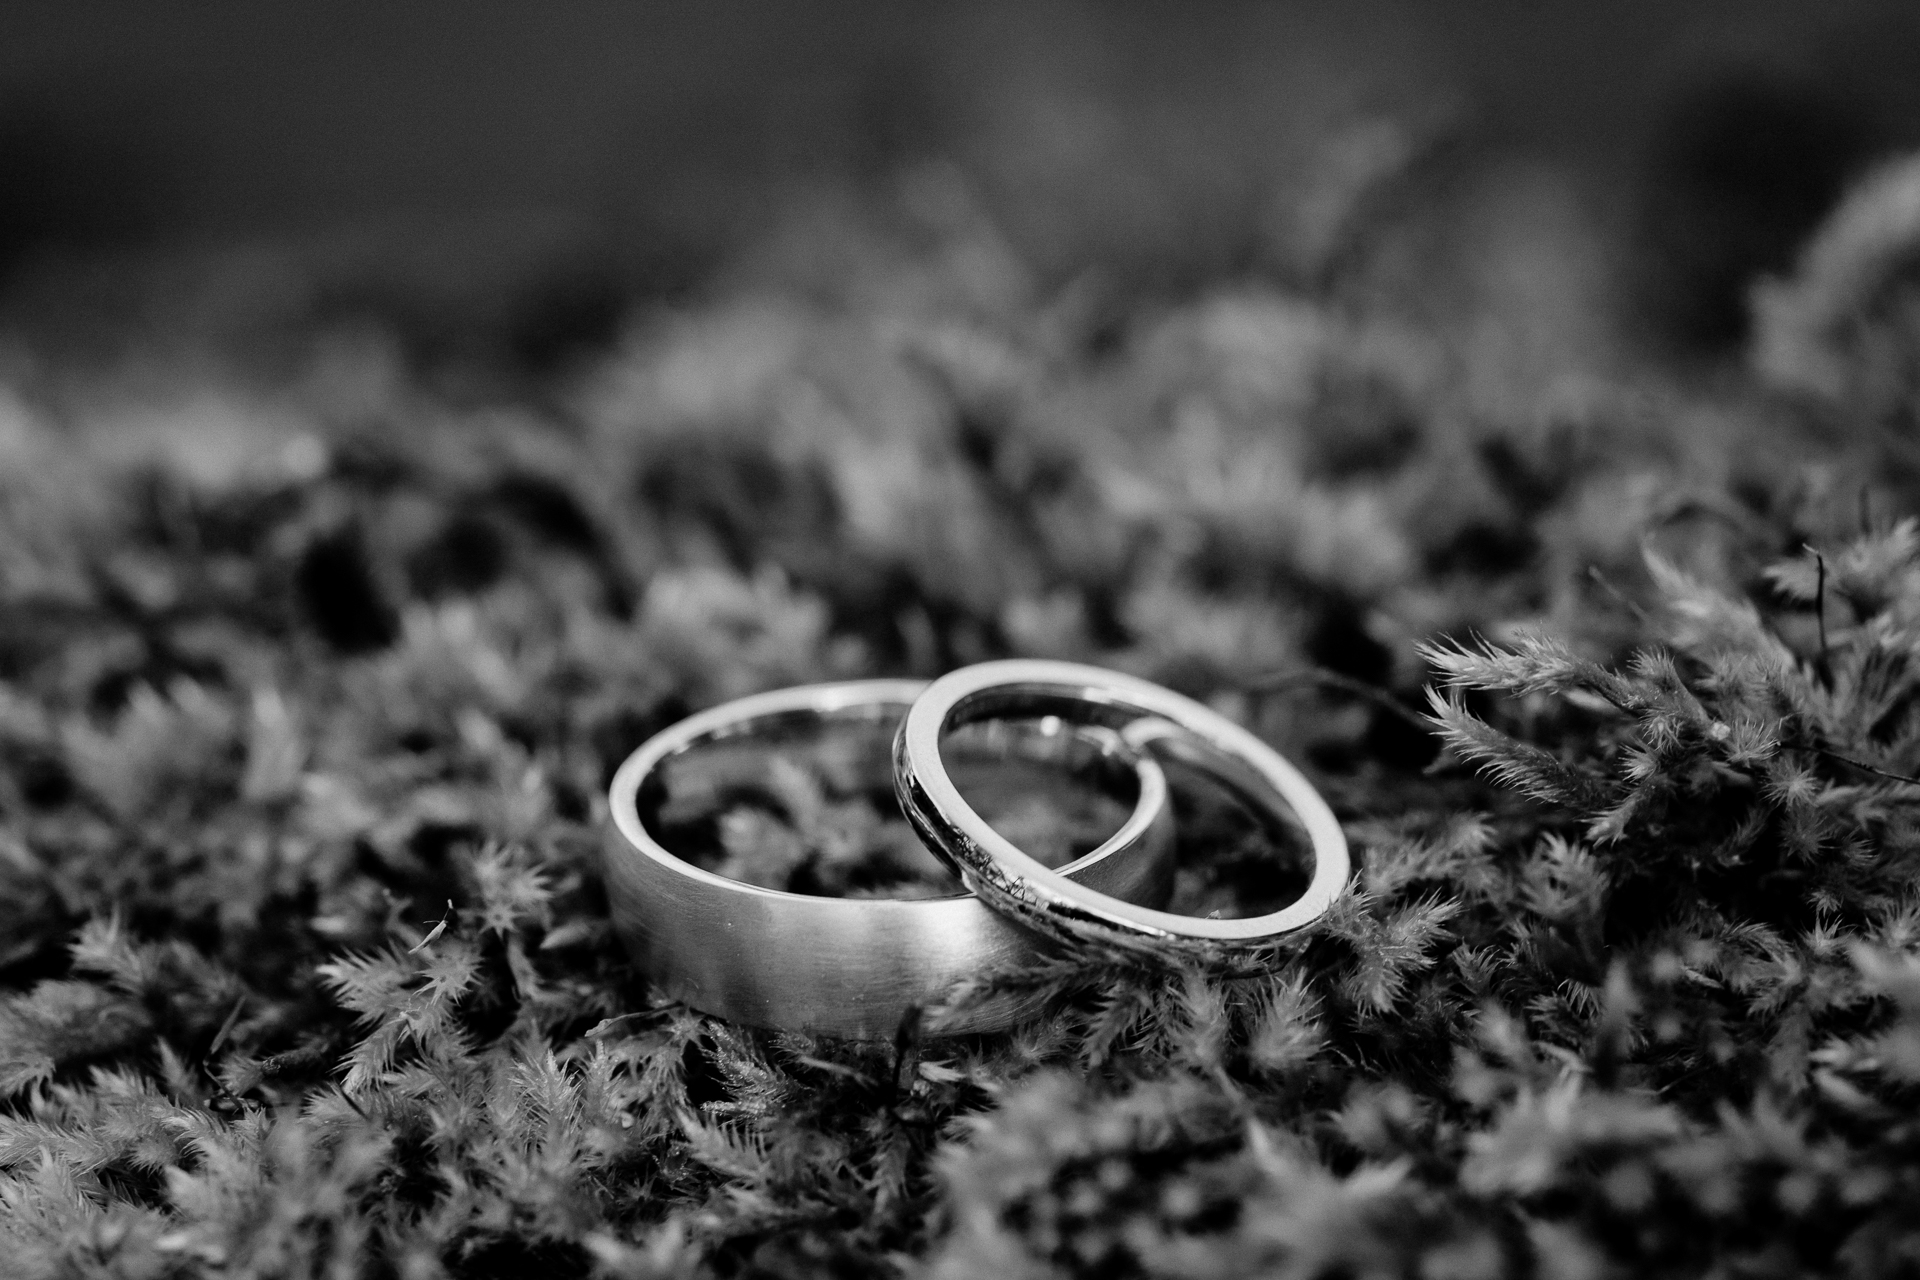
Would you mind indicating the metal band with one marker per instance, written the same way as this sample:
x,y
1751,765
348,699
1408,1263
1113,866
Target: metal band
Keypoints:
x,y
1151,717
850,967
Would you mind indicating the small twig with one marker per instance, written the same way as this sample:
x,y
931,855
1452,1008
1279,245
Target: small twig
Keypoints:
x,y
226,1028
1820,602
1865,767
906,1051
608,1026
832,1068
1688,508
1632,605
1324,678
433,934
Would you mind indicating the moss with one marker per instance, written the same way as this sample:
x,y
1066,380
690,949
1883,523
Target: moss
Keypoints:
x,y
305,728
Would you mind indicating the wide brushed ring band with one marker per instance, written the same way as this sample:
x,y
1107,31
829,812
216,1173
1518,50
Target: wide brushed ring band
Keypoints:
x,y
850,967
1152,717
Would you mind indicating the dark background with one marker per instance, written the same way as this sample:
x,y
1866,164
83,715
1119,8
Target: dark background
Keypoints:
x,y
464,150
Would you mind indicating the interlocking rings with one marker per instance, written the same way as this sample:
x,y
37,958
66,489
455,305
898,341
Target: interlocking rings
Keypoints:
x,y
859,967
849,967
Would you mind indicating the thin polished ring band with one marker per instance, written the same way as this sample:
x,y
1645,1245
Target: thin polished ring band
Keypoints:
x,y
1153,718
847,967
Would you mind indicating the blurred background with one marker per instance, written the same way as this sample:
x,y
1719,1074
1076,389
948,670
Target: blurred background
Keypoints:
x,y
506,173
1209,341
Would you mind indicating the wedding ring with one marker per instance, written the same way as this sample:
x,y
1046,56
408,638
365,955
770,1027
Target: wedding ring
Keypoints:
x,y
1152,718
850,967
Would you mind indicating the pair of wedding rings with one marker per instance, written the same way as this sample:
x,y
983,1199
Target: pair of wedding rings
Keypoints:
x,y
859,967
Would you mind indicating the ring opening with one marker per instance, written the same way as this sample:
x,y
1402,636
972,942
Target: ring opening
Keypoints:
x,y
1174,729
1234,857
805,803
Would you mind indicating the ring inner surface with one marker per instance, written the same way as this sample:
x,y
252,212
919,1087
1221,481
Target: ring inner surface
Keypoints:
x,y
803,802
1233,858
1240,849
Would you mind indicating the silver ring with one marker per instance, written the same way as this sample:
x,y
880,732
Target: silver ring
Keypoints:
x,y
850,967
1150,717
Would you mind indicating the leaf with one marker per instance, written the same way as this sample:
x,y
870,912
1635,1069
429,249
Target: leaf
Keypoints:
x,y
1511,763
59,1022
1287,1033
